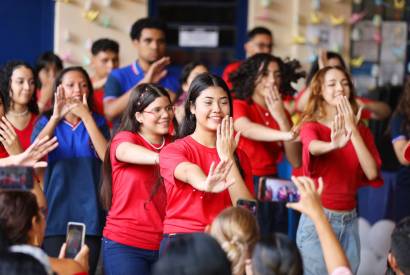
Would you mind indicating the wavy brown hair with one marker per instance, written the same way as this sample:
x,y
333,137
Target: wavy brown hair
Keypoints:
x,y
315,108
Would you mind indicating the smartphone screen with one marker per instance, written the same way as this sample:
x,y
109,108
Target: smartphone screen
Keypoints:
x,y
16,178
271,189
75,239
247,204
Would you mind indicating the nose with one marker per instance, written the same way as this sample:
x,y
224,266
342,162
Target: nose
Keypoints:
x,y
339,86
26,85
216,108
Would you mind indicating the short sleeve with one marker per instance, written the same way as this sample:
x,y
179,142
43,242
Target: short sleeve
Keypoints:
x,y
41,123
123,136
169,158
240,109
308,133
112,88
247,170
396,128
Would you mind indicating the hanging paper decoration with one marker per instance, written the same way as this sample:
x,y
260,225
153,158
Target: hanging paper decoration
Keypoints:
x,y
315,5
265,16
105,21
88,4
356,17
88,44
86,60
91,15
398,52
375,70
377,36
265,3
299,40
356,34
314,18
66,36
337,20
106,3
67,57
399,4
377,20
357,62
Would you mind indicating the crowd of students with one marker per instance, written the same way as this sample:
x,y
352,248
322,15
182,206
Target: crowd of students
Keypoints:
x,y
155,166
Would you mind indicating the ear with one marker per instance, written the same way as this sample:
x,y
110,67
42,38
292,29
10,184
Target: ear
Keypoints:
x,y
192,108
247,47
138,117
185,87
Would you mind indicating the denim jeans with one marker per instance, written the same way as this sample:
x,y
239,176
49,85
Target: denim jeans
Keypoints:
x,y
344,225
122,259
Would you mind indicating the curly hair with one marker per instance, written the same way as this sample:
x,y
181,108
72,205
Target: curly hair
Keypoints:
x,y
5,85
315,108
245,79
237,232
403,107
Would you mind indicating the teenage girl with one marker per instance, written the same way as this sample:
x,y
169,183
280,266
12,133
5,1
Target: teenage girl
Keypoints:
x,y
132,190
203,173
341,150
260,116
18,85
72,177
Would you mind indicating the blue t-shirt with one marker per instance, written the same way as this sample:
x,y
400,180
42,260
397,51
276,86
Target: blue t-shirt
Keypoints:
x,y
121,80
72,178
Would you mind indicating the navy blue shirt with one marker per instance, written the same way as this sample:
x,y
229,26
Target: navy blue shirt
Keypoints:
x,y
72,178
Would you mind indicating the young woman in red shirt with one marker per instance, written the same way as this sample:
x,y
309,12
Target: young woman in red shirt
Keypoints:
x,y
203,171
132,190
341,150
260,84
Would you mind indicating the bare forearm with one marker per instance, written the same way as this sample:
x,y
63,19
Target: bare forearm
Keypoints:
x,y
293,151
238,190
48,130
332,251
136,154
114,107
366,160
97,138
303,100
318,147
259,132
191,174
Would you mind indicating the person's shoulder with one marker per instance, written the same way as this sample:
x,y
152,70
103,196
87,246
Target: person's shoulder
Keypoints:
x,y
118,72
178,145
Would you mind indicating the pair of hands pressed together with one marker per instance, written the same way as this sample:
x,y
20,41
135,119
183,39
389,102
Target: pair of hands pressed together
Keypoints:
x,y
63,105
226,144
344,123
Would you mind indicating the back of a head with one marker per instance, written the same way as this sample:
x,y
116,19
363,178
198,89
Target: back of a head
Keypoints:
x,y
237,232
193,254
276,255
47,59
147,23
400,245
20,263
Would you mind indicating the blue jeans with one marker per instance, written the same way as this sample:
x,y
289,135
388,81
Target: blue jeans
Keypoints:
x,y
344,225
123,259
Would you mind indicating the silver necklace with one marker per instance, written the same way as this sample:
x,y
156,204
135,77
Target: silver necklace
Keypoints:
x,y
152,145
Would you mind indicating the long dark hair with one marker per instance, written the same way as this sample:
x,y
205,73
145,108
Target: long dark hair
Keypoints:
x,y
199,84
141,96
5,85
59,80
245,78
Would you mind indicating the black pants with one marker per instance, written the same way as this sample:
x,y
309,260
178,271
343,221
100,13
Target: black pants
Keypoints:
x,y
52,246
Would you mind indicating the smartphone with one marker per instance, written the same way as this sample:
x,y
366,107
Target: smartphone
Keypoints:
x,y
279,190
247,204
17,178
75,239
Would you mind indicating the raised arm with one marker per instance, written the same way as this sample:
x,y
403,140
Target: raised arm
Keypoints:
x,y
310,205
226,146
136,154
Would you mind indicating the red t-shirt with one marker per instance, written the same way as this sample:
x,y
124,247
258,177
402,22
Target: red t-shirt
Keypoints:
x,y
230,68
24,136
134,219
190,210
265,155
340,169
98,97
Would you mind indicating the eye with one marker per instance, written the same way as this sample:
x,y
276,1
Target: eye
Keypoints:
x,y
208,103
156,110
169,108
224,102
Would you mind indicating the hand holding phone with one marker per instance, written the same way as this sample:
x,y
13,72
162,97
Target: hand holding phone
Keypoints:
x,y
75,239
